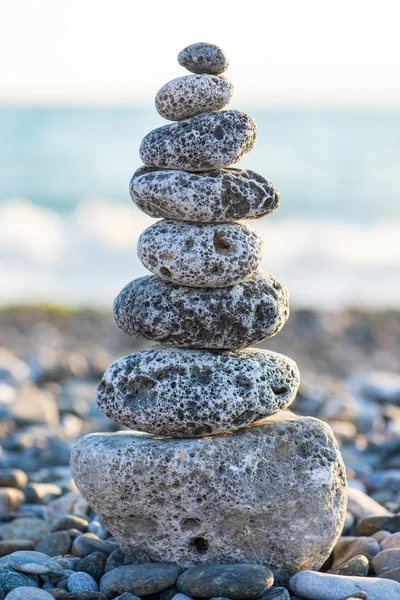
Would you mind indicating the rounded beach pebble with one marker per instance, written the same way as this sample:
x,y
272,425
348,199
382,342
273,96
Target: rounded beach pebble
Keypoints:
x,y
141,580
237,582
187,393
323,586
203,58
212,140
183,316
211,196
191,95
28,593
273,493
35,563
201,255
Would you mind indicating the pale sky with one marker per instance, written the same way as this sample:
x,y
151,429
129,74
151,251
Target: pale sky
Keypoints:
x,y
282,52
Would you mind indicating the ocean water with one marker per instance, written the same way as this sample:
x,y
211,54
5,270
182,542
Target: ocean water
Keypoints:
x,y
68,229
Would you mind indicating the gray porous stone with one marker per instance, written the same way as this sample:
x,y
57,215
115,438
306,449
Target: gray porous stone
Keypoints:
x,y
322,586
212,140
209,197
183,316
201,254
203,58
271,494
188,393
191,95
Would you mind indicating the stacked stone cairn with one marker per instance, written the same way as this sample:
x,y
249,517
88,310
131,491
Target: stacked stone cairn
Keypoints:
x,y
213,473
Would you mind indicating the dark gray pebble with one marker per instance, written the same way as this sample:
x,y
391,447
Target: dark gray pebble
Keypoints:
x,y
86,544
10,579
371,525
181,316
203,58
140,580
93,564
212,140
69,522
65,595
237,582
55,544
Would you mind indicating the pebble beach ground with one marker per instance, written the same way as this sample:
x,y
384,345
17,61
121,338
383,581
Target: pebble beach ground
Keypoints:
x,y
52,545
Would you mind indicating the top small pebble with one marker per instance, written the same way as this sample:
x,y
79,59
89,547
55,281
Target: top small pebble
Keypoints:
x,y
203,58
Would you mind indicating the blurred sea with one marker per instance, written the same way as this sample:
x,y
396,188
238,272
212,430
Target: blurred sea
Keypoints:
x,y
68,229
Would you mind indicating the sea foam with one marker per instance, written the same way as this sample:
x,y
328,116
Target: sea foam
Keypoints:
x,y
86,256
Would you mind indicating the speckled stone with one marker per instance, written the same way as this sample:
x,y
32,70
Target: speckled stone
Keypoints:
x,y
188,393
81,582
182,316
191,95
11,579
248,496
209,197
212,140
201,255
203,58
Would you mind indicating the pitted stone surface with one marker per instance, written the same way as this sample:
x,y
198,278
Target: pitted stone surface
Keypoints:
x,y
211,196
212,140
191,95
201,255
188,393
248,496
182,316
203,58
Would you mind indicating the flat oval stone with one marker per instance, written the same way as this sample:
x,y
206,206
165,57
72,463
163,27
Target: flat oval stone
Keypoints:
x,y
212,140
245,497
140,580
237,582
203,58
323,586
208,197
191,95
25,528
201,255
36,563
25,593
182,316
189,393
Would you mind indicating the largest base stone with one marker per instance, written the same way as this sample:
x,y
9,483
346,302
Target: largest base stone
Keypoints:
x,y
272,493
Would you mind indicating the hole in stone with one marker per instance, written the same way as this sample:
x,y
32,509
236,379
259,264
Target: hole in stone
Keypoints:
x,y
165,271
221,245
200,545
279,391
189,243
219,133
190,524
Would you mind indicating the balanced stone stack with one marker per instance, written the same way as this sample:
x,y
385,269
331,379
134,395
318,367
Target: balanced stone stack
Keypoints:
x,y
213,472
